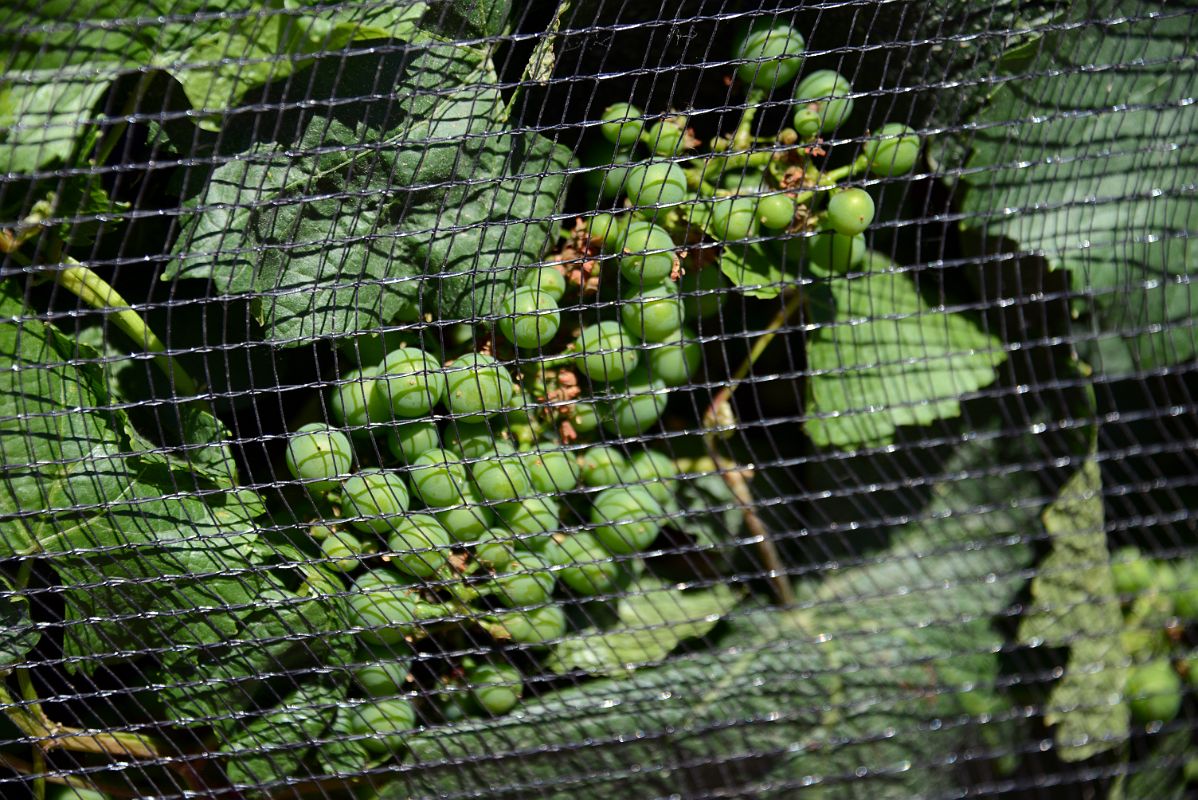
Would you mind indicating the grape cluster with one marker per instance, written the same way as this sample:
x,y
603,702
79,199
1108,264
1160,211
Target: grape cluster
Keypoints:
x,y
1160,604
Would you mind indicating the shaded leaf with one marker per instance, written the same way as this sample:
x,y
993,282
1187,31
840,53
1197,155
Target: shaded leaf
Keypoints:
x,y
752,268
17,632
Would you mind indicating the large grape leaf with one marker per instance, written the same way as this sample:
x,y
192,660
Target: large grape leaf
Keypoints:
x,y
1092,170
60,57
18,634
884,357
334,232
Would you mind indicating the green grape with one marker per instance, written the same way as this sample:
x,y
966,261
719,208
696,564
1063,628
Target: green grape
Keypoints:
x,y
547,280
776,211
743,181
648,254
1132,572
530,318
368,349
893,150
835,252
386,613
850,212
477,385
496,548
608,170
437,478
628,519
608,230
552,471
319,455
473,439
675,361
419,545
536,627
658,472
653,314
584,417
355,403
605,352
589,569
639,405
501,477
384,723
733,219
530,518
667,138
657,184
376,578
622,125
467,521
704,292
526,581
495,688
1185,593
342,549
827,93
773,51
411,381
386,671
1154,692
376,499
603,466
408,440
808,120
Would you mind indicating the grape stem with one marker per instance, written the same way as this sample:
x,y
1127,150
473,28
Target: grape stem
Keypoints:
x,y
833,177
97,293
720,409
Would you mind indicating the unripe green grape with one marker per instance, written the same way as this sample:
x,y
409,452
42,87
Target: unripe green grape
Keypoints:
x,y
342,549
667,138
495,688
319,455
473,439
628,519
850,212
776,211
893,150
835,252
529,518
530,318
658,473
653,315
639,405
743,181
477,385
589,569
603,466
409,440
605,352
584,417
608,170
495,548
535,627
376,499
1185,594
1131,572
437,478
384,723
830,94
1153,692
648,254
385,613
501,477
808,120
387,673
547,280
375,578
608,230
622,125
773,51
355,403
368,349
675,361
704,292
526,581
466,522
419,546
733,219
657,184
552,471
411,382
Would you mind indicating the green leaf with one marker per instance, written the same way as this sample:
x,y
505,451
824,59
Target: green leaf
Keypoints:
x,y
1075,604
337,239
459,19
884,357
43,115
18,635
652,619
753,268
1092,171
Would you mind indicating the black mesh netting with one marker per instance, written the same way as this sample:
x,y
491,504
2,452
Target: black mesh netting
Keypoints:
x,y
581,399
